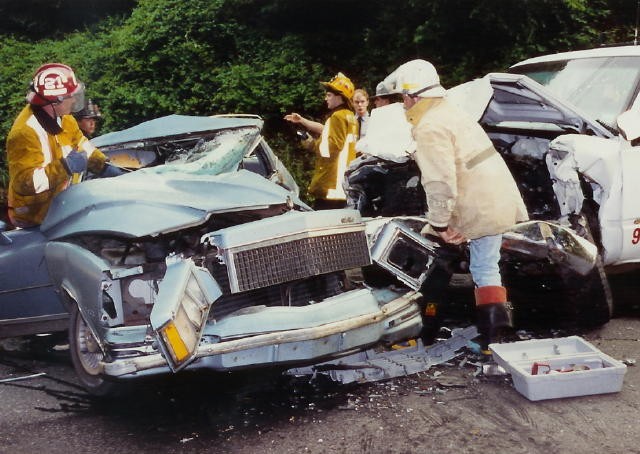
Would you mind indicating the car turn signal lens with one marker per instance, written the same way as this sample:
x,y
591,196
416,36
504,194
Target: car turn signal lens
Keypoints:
x,y
172,339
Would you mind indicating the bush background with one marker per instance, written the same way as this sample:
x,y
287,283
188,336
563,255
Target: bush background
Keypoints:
x,y
147,58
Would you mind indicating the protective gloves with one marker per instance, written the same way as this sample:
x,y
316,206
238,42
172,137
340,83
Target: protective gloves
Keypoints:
x,y
110,171
75,162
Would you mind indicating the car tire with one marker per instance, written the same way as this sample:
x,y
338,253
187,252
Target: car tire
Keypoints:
x,y
588,301
86,355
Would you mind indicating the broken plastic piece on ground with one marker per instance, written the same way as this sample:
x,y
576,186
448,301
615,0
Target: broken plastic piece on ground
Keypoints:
x,y
371,365
474,347
405,344
493,369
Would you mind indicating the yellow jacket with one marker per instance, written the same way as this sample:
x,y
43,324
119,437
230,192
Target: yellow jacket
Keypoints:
x,y
36,172
335,149
467,183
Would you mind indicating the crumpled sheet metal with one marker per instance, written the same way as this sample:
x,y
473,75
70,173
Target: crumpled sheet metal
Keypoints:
x,y
370,365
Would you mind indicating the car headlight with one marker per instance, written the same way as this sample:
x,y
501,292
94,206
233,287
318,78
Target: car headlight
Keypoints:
x,y
185,296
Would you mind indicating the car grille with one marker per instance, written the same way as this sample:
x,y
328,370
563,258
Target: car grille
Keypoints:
x,y
296,258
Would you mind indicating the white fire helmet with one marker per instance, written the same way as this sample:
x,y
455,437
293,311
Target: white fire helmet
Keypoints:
x,y
416,78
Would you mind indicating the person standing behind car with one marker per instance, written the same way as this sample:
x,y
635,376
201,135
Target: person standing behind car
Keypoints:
x,y
471,195
334,146
360,105
88,117
46,151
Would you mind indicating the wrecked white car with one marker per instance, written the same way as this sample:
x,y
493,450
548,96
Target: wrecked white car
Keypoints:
x,y
202,256
594,176
548,264
602,82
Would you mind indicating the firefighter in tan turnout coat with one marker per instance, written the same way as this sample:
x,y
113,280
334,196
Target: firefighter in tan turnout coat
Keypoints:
x,y
471,195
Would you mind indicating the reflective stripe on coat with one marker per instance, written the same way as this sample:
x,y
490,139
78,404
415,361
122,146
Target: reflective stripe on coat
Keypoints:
x,y
335,149
36,173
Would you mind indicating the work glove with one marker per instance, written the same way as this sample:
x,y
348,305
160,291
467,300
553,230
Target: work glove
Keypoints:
x,y
75,162
110,171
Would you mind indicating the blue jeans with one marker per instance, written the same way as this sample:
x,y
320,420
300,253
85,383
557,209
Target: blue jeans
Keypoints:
x,y
485,255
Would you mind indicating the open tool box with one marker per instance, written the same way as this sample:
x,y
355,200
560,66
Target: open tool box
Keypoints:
x,y
563,367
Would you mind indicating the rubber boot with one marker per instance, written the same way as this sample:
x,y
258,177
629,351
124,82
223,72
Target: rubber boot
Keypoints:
x,y
493,314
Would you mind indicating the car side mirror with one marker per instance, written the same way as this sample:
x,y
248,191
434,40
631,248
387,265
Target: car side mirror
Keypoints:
x,y
629,124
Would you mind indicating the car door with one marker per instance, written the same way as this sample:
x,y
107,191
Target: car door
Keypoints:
x,y
28,301
630,220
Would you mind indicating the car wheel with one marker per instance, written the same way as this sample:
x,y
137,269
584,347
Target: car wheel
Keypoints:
x,y
588,299
86,356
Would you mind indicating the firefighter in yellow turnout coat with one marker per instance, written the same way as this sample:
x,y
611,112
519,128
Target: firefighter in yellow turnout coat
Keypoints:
x,y
46,151
335,146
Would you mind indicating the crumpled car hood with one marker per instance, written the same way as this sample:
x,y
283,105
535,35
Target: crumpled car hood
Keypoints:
x,y
140,203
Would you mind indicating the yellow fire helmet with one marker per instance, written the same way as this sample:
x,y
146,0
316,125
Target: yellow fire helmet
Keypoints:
x,y
340,84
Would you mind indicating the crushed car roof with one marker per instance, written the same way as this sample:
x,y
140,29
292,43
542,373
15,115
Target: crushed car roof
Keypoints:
x,y
173,125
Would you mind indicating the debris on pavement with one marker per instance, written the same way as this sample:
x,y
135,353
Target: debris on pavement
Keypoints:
x,y
372,365
24,377
491,370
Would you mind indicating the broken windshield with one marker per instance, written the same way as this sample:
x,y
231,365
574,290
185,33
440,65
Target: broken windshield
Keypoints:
x,y
204,153
603,87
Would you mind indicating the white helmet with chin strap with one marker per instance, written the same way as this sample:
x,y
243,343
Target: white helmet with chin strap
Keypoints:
x,y
416,78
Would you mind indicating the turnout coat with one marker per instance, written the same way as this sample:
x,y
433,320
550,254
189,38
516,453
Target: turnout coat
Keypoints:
x,y
467,183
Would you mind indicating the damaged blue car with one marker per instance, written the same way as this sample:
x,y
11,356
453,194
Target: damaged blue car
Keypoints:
x,y
200,256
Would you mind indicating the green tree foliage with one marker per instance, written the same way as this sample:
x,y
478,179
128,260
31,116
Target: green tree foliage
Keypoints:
x,y
147,58
39,19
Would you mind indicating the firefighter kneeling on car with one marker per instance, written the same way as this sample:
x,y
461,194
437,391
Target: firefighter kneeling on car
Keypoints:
x,y
471,194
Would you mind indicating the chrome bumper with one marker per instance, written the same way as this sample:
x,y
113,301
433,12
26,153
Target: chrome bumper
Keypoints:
x,y
395,320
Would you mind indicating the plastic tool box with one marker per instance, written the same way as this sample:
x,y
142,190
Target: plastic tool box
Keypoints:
x,y
562,367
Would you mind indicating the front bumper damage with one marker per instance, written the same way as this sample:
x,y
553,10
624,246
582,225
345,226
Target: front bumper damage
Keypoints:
x,y
258,336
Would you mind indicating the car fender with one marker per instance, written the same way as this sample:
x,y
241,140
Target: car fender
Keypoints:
x,y
601,162
82,276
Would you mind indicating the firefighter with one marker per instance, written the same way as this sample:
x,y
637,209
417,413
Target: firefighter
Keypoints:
x,y
46,151
87,118
335,144
471,195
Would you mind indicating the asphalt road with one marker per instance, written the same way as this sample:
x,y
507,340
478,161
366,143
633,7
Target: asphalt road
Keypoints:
x,y
250,412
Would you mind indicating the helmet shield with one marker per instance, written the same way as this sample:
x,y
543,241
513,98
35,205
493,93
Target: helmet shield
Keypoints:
x,y
78,98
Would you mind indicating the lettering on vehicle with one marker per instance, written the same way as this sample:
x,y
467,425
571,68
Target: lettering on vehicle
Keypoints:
x,y
635,238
